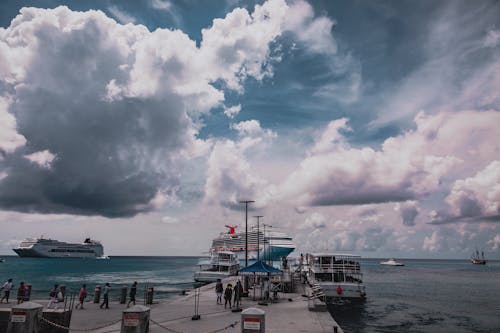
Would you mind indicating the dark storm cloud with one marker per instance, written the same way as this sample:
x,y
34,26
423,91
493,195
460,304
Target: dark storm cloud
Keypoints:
x,y
111,156
409,213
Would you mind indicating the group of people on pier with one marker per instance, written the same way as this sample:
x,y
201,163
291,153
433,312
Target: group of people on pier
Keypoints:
x,y
57,294
22,291
229,293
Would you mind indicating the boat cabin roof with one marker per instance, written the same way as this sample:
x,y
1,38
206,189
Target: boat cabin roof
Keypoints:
x,y
334,254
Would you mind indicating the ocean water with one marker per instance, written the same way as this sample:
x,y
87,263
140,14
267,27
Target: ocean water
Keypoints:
x,y
430,296
168,275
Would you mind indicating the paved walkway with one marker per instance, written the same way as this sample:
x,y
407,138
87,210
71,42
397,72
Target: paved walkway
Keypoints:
x,y
290,314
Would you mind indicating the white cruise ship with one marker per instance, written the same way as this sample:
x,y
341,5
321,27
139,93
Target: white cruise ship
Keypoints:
x,y
273,244
51,248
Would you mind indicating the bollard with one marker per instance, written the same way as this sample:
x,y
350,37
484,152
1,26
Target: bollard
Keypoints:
x,y
27,293
24,318
136,319
123,295
97,294
149,295
253,320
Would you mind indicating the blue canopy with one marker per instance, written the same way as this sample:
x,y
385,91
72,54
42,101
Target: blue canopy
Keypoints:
x,y
260,268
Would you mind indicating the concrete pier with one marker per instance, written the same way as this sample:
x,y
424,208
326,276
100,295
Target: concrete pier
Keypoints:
x,y
290,313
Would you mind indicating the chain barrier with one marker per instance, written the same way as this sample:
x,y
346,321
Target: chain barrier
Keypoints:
x,y
164,327
79,329
225,328
232,325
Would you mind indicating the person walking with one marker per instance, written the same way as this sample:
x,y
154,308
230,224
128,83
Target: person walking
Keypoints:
x,y
6,287
21,291
105,302
53,296
228,293
238,292
219,289
133,292
81,296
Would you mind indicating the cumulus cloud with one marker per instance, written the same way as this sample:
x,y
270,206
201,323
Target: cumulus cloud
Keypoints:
x,y
407,167
492,38
42,158
314,221
252,128
495,242
232,111
314,32
161,4
409,211
120,15
432,243
478,195
117,105
10,139
230,178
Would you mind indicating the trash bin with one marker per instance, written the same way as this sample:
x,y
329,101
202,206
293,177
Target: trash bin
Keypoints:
x,y
136,319
253,320
24,317
123,295
97,294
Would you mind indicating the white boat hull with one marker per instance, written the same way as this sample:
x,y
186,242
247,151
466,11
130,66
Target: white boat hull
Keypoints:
x,y
205,276
349,290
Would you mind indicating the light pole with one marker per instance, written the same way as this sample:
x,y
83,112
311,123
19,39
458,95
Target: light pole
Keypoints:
x,y
268,243
246,202
245,284
258,236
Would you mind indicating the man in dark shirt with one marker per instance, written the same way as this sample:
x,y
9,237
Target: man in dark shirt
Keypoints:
x,y
133,292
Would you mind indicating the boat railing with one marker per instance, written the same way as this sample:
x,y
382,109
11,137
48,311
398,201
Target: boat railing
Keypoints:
x,y
338,267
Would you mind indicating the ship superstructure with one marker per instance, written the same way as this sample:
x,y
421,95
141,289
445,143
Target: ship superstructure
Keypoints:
x,y
271,243
51,248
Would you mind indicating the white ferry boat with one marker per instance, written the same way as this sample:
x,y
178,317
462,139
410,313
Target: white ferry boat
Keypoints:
x,y
337,274
271,243
51,248
219,266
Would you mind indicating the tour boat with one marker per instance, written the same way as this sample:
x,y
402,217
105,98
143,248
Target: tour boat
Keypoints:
x,y
220,265
476,259
336,274
391,262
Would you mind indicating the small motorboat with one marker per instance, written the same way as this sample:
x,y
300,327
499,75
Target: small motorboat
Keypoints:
x,y
2,260
391,262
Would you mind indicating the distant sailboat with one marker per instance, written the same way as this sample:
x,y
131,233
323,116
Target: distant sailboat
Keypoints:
x,y
476,259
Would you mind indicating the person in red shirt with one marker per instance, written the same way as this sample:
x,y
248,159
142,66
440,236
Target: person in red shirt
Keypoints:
x,y
21,291
81,296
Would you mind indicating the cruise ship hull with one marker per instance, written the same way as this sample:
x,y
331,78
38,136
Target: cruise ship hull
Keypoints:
x,y
47,248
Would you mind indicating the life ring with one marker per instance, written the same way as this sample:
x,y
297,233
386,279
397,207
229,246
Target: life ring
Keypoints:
x,y
339,290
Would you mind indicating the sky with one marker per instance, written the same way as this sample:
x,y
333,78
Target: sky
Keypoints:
x,y
355,126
